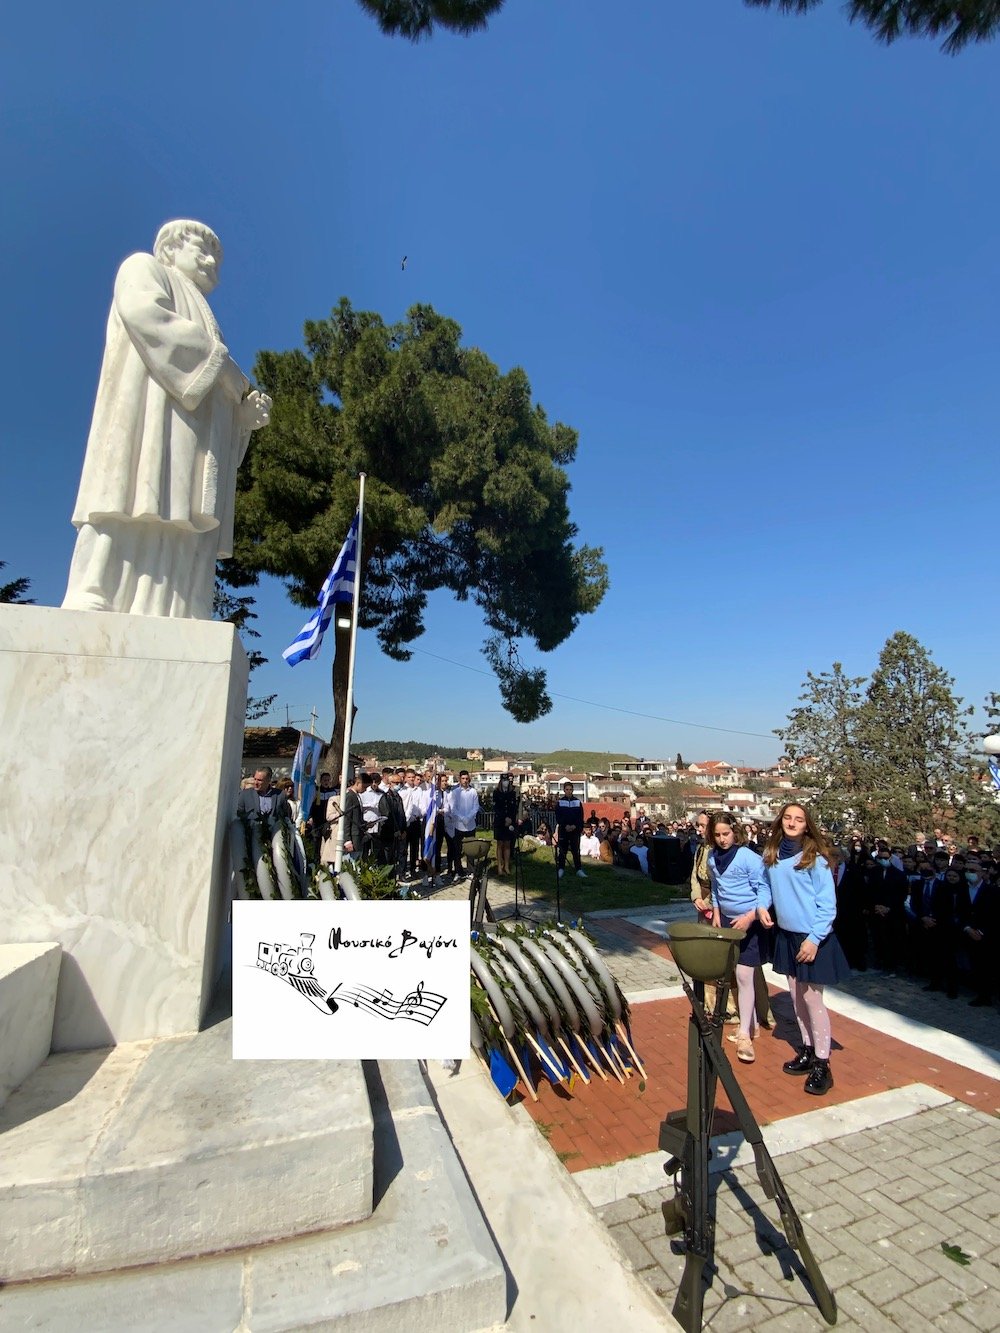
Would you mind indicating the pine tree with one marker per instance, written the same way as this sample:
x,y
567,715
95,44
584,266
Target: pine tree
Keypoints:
x,y
467,491
419,18
15,590
964,21
238,611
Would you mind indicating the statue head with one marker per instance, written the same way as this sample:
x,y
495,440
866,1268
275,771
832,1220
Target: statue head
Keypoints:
x,y
192,248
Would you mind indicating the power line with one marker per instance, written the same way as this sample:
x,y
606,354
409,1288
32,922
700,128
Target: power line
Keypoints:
x,y
609,708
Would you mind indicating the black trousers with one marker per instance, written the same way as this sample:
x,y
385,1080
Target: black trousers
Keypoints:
x,y
455,841
569,844
414,837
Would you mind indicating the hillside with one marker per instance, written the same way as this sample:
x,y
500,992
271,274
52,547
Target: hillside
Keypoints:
x,y
575,761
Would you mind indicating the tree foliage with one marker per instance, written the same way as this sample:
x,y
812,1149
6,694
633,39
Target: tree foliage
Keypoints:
x,y
467,491
416,19
889,754
238,610
963,21
14,590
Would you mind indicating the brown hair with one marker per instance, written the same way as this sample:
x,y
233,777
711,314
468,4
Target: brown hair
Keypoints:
x,y
813,842
724,817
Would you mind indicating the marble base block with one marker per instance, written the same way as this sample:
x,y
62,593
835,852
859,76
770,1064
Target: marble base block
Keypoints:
x,y
29,975
122,738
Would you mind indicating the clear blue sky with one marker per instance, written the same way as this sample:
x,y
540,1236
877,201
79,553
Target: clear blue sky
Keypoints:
x,y
751,258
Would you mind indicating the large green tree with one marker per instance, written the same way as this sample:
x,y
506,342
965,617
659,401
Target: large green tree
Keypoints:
x,y
419,18
963,21
913,733
890,754
467,491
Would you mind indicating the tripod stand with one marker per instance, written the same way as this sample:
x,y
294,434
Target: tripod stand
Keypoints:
x,y
707,953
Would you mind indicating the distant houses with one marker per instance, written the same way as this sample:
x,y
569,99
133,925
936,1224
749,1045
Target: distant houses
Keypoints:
x,y
659,788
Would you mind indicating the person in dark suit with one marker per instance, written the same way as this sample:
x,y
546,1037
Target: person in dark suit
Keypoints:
x,y
263,798
977,916
885,896
850,881
938,924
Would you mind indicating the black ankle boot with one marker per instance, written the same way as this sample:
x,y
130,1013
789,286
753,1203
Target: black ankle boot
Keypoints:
x,y
802,1063
820,1079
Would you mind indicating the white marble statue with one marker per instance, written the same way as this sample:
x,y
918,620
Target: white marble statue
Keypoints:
x,y
172,420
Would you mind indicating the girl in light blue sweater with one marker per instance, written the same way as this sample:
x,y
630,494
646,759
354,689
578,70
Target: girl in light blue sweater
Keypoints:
x,y
738,890
805,948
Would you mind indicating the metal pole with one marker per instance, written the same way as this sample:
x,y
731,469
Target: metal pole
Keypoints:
x,y
345,759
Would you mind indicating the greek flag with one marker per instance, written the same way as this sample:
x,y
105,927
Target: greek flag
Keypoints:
x,y
994,767
430,825
339,587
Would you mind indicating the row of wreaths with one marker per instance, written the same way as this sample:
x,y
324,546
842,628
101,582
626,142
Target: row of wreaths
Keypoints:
x,y
545,1005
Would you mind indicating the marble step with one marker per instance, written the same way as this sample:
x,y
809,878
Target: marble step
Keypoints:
x,y
152,1152
29,976
424,1261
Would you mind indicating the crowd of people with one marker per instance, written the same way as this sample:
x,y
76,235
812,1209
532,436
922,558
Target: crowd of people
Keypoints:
x,y
813,906
414,823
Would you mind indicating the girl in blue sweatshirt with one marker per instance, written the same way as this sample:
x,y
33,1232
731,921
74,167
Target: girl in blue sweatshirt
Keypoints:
x,y
738,890
806,950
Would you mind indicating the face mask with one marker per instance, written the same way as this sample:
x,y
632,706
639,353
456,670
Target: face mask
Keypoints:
x,y
972,876
883,862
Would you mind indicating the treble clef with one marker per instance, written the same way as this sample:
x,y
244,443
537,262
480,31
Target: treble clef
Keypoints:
x,y
415,998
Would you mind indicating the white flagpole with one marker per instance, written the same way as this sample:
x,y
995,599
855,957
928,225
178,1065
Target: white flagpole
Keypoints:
x,y
345,760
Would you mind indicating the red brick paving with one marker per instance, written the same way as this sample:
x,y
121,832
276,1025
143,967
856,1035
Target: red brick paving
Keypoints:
x,y
606,1122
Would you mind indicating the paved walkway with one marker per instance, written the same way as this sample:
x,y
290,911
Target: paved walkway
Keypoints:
x,y
899,1160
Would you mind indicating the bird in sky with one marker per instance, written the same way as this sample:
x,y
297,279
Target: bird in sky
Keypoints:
x,y
403,264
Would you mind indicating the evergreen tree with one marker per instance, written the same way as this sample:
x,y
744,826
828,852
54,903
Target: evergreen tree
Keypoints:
x,y
915,739
419,18
238,611
963,21
890,754
15,590
467,491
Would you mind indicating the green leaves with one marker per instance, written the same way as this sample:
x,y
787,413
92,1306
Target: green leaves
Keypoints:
x,y
956,1254
466,487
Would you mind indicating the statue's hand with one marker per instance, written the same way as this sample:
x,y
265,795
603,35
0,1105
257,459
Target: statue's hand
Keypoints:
x,y
255,410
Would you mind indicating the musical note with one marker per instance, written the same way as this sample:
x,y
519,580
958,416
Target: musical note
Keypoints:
x,y
420,1006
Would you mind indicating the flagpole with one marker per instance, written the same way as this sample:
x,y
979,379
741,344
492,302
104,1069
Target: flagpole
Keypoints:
x,y
345,760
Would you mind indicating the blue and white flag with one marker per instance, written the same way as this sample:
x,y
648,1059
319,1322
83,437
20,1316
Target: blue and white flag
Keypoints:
x,y
430,826
994,767
305,767
339,587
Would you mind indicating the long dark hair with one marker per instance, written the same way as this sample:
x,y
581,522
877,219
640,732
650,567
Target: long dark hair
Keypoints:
x,y
813,843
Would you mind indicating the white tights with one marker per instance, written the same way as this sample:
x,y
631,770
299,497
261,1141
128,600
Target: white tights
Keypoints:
x,y
812,1015
747,1000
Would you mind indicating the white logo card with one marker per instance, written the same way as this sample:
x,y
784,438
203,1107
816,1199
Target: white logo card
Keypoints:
x,y
319,980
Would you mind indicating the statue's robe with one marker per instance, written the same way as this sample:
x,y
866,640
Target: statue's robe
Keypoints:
x,y
165,442
155,504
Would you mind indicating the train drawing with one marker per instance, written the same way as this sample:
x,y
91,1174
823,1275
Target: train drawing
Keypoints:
x,y
280,959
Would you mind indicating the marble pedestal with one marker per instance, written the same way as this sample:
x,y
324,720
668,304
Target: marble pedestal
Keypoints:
x,y
120,762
